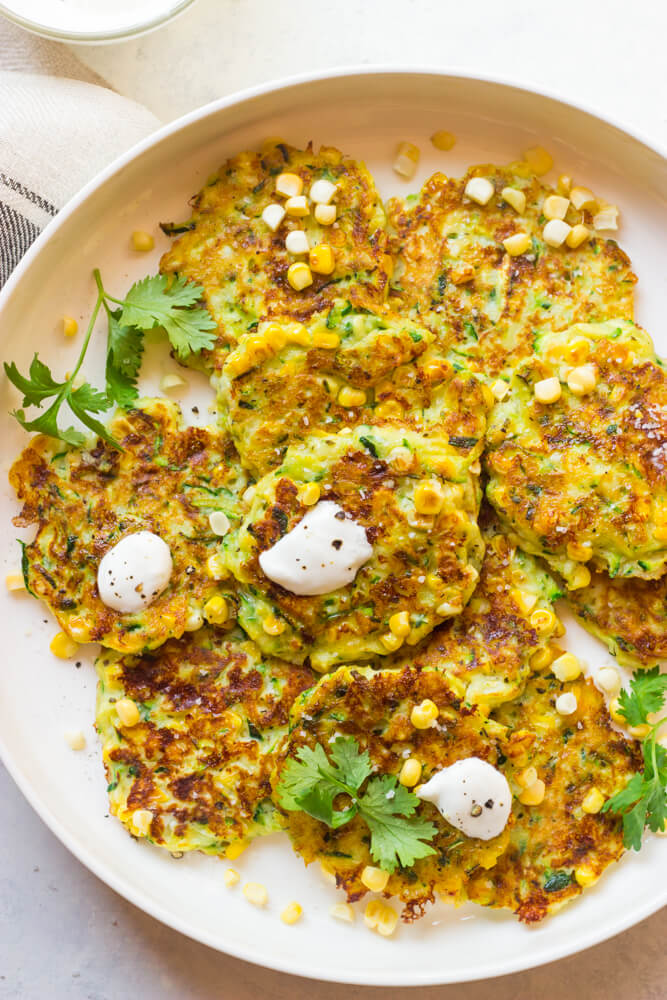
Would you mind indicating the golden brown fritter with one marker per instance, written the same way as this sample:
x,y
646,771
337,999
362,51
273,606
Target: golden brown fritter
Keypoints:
x,y
167,479
199,760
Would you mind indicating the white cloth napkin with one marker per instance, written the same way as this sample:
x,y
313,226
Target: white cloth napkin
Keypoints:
x,y
55,134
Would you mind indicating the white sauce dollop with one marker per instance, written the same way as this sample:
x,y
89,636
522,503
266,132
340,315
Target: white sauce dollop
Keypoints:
x,y
472,795
134,572
321,553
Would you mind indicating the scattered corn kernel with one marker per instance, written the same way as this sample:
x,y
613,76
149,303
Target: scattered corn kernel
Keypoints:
x,y
583,199
70,326
538,159
606,218
564,184
127,712
273,625
374,878
411,772
342,911
541,658
231,877
216,611
566,667
515,198
273,215
309,494
555,206
291,914
542,620
424,715
63,647
399,623
351,397
219,522
640,732
406,160
527,777
141,821
443,140
171,382
297,207
500,389
593,801
380,917
142,241
547,390
299,276
446,609
577,236
256,893
581,577
322,259
480,190
608,680
534,794
517,244
289,185
325,214
556,232
236,849
75,739
216,567
566,703
525,601
579,551
582,380
322,191
14,581
429,498
296,242
585,875
391,642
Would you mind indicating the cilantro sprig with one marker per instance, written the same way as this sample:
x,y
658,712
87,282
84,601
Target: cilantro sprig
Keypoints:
x,y
153,302
312,781
643,801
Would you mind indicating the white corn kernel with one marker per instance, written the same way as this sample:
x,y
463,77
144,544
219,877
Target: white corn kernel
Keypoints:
x,y
479,189
273,215
325,214
515,198
219,522
606,218
141,821
582,380
556,232
296,242
322,191
169,382
500,389
297,207
583,199
256,893
547,390
566,667
75,739
232,877
555,206
608,680
566,703
342,911
289,185
407,158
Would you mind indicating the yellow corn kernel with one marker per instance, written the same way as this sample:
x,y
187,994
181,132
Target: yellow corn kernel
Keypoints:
x,y
325,214
234,721
380,917
231,877
256,893
142,241
291,914
541,658
581,577
321,259
406,160
429,498
542,620
614,710
424,715
14,581
235,849
127,712
141,821
322,338
289,185
566,667
297,206
577,236
488,397
273,625
585,875
63,646
391,642
399,623
274,336
298,334
351,397
579,552
555,206
547,390
608,680
215,567
447,609
582,380
538,159
583,199
388,409
534,794
517,244
299,276
216,611
593,801
374,879
660,533
75,739
411,772
443,140
309,494
527,777
515,198
500,389
70,326
342,911
564,184
639,732
524,600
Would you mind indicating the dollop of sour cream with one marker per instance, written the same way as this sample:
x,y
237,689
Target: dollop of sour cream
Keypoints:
x,y
472,795
323,552
134,572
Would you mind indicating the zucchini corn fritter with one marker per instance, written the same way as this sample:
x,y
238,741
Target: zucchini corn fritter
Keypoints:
x,y
167,479
198,757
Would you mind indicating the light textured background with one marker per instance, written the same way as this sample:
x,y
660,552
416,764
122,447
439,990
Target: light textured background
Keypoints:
x,y
62,932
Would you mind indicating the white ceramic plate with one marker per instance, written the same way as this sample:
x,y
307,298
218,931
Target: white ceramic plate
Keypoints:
x,y
365,114
90,21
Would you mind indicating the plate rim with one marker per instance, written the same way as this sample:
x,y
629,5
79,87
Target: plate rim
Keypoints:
x,y
530,958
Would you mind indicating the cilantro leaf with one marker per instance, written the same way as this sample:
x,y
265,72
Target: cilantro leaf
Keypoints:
x,y
646,695
397,837
38,387
157,301
355,766
310,783
125,345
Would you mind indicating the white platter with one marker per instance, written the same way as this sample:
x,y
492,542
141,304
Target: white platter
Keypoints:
x,y
365,113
